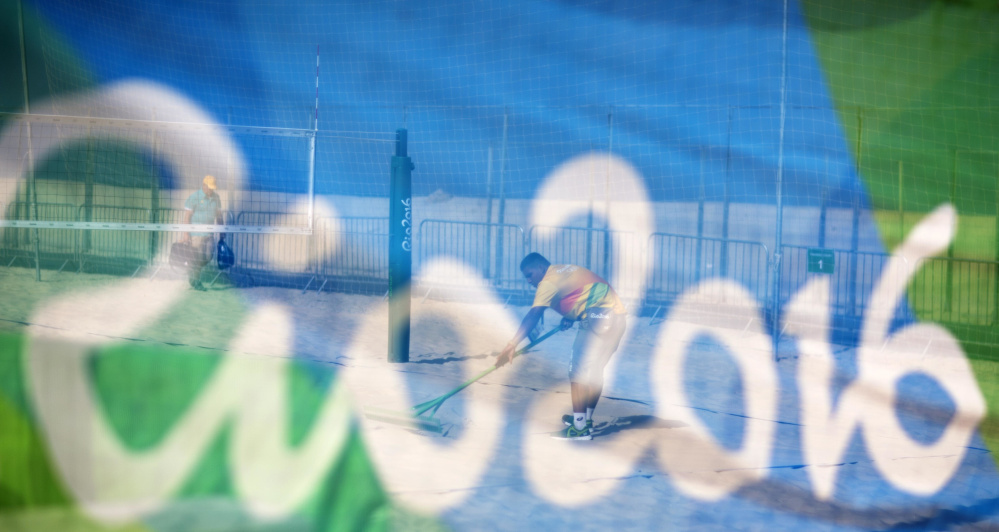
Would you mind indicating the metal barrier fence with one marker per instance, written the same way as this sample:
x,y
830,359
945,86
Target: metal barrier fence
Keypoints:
x,y
492,251
589,248
273,252
958,291
125,249
54,244
853,278
349,250
353,248
677,263
163,240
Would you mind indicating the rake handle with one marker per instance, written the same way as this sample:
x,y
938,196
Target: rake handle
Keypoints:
x,y
436,403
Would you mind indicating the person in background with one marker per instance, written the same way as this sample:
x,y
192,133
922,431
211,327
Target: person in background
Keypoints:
x,y
202,207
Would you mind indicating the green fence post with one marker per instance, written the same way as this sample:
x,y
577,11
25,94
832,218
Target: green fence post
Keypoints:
x,y
400,250
950,248
995,296
901,203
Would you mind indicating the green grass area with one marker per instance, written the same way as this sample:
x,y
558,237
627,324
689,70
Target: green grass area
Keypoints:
x,y
211,326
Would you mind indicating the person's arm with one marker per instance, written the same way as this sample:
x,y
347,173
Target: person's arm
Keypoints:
x,y
528,324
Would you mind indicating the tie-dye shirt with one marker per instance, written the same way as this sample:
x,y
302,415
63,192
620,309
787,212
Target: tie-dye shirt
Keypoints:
x,y
573,290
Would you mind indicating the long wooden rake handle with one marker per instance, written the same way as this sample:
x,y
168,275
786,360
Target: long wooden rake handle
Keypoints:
x,y
436,403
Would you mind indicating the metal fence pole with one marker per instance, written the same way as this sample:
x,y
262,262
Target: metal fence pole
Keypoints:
x,y
699,252
950,248
779,236
33,186
823,208
855,226
725,198
489,215
154,197
607,202
901,204
995,315
501,215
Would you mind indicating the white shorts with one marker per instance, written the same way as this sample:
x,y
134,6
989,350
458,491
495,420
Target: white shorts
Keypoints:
x,y
596,341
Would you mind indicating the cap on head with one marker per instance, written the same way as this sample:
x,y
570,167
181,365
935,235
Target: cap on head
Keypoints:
x,y
209,182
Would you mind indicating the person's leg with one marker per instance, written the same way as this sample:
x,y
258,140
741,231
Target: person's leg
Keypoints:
x,y
594,390
601,347
579,391
193,271
585,397
198,260
590,353
580,396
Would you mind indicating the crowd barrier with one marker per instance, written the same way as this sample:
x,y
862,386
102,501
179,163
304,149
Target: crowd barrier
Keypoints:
x,y
960,291
352,247
677,263
57,246
851,281
491,252
350,254
130,250
280,252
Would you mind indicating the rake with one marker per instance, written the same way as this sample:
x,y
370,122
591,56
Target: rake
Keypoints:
x,y
415,417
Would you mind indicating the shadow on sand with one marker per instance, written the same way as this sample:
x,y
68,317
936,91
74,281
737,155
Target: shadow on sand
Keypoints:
x,y
447,358
634,422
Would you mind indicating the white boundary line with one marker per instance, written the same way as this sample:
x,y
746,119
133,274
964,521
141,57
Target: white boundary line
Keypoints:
x,y
129,123
149,125
183,228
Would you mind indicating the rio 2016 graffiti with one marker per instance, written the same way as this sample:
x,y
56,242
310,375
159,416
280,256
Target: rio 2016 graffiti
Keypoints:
x,y
272,478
